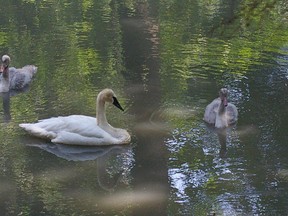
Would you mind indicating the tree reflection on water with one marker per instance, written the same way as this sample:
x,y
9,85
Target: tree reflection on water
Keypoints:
x,y
165,60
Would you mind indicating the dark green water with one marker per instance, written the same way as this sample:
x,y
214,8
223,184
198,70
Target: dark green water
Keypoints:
x,y
165,60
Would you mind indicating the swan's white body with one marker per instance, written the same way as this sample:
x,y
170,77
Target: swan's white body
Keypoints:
x,y
220,113
13,78
80,129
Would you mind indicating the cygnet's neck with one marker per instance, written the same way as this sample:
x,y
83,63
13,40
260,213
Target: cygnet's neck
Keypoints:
x,y
5,82
222,108
5,72
221,118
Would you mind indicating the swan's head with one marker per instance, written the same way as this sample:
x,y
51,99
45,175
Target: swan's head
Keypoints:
x,y
5,61
223,93
107,95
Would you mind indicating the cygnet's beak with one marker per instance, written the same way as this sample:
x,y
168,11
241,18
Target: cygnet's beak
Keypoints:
x,y
117,104
1,68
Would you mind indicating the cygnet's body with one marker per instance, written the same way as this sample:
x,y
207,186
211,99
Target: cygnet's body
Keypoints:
x,y
80,129
219,112
15,78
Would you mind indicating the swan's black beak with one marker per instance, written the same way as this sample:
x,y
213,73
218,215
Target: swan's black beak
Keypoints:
x,y
117,104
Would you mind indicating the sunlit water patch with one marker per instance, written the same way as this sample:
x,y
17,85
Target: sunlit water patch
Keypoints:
x,y
209,162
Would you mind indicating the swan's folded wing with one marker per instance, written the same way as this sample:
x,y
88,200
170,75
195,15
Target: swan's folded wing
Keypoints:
x,y
38,131
211,111
232,113
74,130
46,128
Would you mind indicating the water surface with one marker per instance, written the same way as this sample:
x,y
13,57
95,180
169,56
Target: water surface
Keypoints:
x,y
165,60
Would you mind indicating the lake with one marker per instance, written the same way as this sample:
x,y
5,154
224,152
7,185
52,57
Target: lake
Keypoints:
x,y
166,61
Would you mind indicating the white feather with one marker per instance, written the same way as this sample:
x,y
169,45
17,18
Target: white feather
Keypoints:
x,y
79,129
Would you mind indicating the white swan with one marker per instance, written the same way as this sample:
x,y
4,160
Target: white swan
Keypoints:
x,y
13,78
221,113
80,129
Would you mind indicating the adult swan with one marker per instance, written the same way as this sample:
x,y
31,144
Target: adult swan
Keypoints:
x,y
80,129
221,113
15,78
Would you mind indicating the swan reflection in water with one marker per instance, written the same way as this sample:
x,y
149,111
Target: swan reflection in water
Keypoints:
x,y
232,135
105,156
6,101
6,106
222,138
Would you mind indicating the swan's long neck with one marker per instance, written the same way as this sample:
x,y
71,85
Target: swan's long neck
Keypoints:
x,y
6,72
221,118
5,82
100,112
221,109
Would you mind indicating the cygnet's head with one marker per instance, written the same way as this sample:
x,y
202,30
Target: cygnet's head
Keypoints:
x,y
223,93
108,95
5,61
